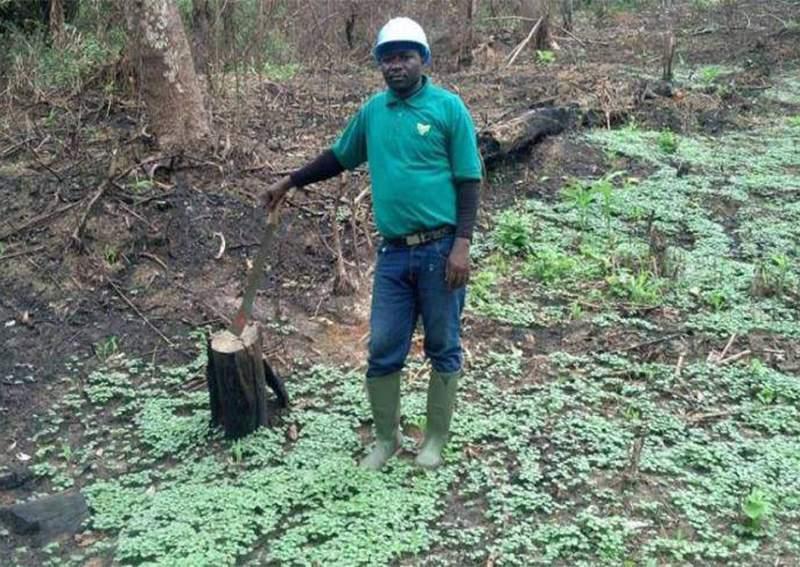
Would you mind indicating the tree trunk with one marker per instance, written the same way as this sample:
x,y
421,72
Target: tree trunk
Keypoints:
x,y
567,11
533,10
669,55
56,23
472,10
201,34
227,17
167,76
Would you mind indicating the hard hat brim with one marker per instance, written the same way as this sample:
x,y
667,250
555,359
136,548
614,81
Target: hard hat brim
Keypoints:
x,y
384,49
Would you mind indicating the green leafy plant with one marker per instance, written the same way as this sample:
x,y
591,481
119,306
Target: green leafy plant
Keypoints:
x,y
280,72
717,299
66,452
37,66
772,277
141,185
104,349
110,254
575,310
580,197
514,233
482,285
640,288
237,452
766,395
545,56
604,189
757,509
668,141
710,74
548,265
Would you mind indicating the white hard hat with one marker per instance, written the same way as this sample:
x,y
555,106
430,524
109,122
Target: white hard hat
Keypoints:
x,y
399,31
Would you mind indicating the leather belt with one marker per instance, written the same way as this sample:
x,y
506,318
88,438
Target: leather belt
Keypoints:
x,y
422,237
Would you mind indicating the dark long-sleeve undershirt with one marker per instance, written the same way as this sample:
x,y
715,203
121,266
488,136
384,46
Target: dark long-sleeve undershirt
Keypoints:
x,y
326,166
467,199
323,167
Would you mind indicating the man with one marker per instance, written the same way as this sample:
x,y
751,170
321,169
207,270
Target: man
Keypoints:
x,y
419,141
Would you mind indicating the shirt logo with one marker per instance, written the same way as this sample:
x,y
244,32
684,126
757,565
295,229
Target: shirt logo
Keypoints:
x,y
423,129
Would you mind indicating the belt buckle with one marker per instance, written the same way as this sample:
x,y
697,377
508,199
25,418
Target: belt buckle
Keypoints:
x,y
414,239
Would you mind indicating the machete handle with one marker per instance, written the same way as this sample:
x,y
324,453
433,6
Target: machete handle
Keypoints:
x,y
273,213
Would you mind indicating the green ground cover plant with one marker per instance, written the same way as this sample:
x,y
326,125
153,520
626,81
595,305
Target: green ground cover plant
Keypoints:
x,y
546,469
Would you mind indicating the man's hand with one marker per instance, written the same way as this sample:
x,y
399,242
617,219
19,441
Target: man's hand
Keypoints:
x,y
457,274
275,193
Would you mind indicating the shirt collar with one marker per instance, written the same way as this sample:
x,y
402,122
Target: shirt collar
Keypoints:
x,y
415,100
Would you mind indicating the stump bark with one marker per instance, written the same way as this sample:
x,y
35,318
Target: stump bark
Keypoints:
x,y
237,379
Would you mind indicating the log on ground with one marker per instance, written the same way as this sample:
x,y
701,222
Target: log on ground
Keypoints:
x,y
514,135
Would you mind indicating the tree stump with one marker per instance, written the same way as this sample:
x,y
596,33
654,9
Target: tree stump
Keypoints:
x,y
237,376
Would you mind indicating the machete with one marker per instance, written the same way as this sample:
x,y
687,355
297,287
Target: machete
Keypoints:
x,y
256,277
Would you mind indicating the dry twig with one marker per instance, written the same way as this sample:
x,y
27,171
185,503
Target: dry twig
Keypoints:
x,y
32,250
118,291
37,220
107,182
518,49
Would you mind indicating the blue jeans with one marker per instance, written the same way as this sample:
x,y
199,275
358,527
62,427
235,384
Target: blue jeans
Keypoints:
x,y
409,282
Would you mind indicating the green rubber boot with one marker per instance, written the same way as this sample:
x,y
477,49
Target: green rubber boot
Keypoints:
x,y
384,398
441,398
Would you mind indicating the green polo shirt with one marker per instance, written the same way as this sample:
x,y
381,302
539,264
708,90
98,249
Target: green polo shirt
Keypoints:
x,y
418,149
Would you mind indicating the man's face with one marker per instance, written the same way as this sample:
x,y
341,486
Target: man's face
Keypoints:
x,y
402,70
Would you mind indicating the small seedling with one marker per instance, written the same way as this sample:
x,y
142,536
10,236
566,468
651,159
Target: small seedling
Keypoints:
x,y
514,232
756,508
417,422
549,265
668,141
237,452
580,197
641,288
632,414
66,452
141,185
545,56
110,255
604,188
771,277
717,300
106,348
766,395
709,74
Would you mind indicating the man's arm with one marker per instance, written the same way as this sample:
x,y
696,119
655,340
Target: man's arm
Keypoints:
x,y
321,168
467,199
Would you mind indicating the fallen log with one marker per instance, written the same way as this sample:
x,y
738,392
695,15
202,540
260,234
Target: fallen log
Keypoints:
x,y
237,376
512,136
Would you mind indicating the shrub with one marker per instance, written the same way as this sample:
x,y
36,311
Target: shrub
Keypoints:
x,y
668,142
514,232
35,67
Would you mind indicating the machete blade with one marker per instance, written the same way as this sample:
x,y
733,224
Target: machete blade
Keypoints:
x,y
256,277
